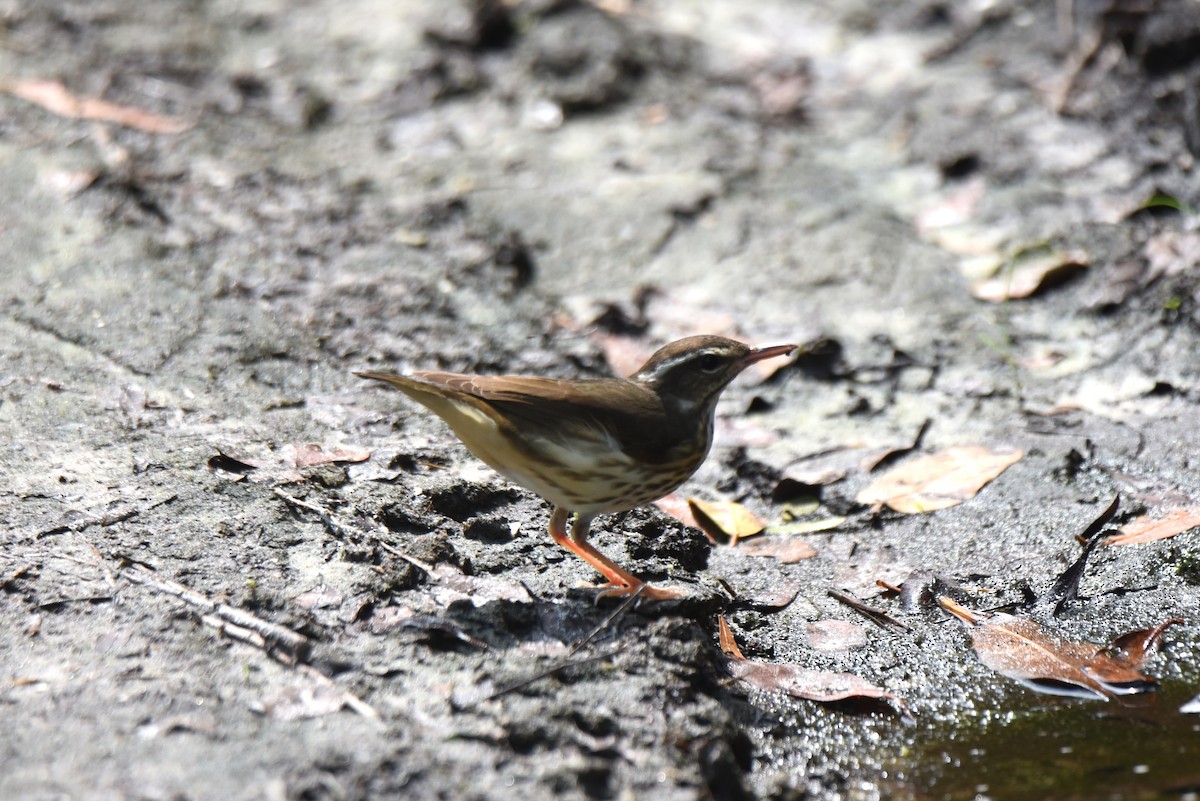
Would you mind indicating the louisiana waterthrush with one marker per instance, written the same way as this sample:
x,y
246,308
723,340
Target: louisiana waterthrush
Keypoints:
x,y
593,446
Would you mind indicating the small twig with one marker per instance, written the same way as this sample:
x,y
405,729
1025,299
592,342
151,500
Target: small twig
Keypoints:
x,y
109,517
348,698
345,531
278,642
876,616
335,526
548,672
574,649
618,612
1066,586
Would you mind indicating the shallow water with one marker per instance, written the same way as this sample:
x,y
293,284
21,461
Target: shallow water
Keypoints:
x,y
1127,749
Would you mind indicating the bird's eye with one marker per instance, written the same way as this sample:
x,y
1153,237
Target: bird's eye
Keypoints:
x,y
710,362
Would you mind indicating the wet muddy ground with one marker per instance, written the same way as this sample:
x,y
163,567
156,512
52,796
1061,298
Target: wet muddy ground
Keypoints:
x,y
198,604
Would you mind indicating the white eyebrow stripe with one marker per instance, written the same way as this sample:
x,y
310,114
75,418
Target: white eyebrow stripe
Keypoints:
x,y
675,361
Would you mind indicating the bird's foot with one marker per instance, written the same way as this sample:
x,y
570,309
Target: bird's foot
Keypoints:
x,y
642,590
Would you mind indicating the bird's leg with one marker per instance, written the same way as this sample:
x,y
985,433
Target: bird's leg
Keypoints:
x,y
620,581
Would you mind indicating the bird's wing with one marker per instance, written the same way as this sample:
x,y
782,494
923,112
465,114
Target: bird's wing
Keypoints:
x,y
627,415
509,388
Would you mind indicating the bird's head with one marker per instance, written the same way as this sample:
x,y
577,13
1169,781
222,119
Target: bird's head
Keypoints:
x,y
689,374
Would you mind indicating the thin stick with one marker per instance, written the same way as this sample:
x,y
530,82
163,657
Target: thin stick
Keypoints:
x,y
876,616
550,671
279,642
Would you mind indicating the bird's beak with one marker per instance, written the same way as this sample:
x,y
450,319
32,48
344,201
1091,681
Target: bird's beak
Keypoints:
x,y
767,352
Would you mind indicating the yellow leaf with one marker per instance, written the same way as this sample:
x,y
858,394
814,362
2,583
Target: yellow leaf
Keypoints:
x,y
725,522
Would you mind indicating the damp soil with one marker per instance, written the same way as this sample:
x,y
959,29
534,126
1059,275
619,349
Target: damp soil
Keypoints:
x,y
194,604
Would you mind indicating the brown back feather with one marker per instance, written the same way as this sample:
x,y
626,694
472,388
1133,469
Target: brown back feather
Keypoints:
x,y
551,407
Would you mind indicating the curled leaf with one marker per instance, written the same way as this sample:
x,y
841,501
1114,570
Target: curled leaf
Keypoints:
x,y
1029,272
1019,649
725,522
938,480
225,463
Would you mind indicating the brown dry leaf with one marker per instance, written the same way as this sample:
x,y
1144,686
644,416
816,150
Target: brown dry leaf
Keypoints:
x,y
275,470
1019,649
772,599
939,480
55,98
1132,649
787,550
725,522
812,685
1147,529
311,454
1029,272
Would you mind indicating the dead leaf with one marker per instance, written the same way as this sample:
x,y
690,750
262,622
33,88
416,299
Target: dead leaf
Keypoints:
x,y
312,454
1029,272
69,182
55,98
451,584
1021,650
787,550
304,699
833,636
1147,529
677,507
1170,253
320,597
725,522
225,463
1132,649
772,599
939,480
390,618
891,453
812,685
796,480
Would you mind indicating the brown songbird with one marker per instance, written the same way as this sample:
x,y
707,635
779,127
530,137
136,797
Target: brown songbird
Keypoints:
x,y
593,446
